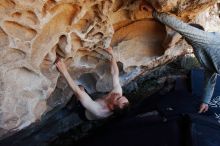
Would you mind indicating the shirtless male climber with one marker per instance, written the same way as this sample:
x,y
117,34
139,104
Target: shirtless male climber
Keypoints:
x,y
102,107
206,47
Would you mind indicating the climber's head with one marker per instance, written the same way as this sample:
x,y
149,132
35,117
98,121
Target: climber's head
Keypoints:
x,y
115,101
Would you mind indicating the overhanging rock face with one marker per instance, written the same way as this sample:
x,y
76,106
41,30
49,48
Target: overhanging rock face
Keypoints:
x,y
33,32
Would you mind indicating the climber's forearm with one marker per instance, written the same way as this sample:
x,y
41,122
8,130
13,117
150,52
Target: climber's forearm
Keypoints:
x,y
82,96
63,70
71,83
115,75
114,68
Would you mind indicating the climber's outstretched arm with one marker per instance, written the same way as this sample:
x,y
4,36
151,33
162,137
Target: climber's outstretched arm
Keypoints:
x,y
115,74
82,96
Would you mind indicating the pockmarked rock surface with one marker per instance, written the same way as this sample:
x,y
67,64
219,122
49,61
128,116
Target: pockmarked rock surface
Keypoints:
x,y
34,32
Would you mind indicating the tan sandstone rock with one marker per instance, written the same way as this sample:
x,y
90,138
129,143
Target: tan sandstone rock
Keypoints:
x,y
34,32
